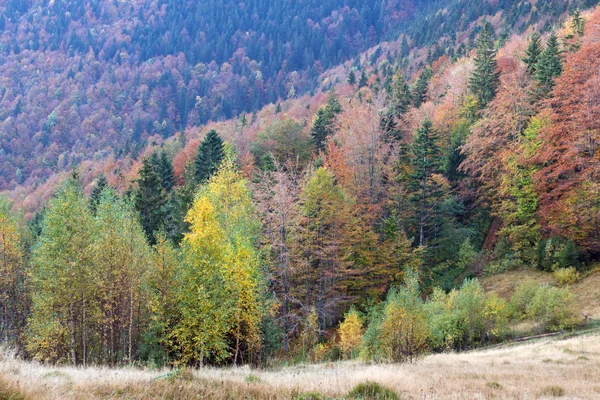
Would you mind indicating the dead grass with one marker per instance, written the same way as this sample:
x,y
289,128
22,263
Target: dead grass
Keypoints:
x,y
543,369
587,295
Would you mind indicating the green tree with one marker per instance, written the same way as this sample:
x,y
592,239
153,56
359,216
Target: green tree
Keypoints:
x,y
151,200
121,256
533,53
220,287
99,186
420,88
64,300
352,78
425,183
161,283
362,82
13,294
549,66
325,121
485,78
210,155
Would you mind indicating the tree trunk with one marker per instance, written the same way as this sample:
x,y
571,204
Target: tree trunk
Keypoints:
x,y
72,333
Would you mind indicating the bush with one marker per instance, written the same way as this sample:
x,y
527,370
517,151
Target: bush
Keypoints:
x,y
523,295
372,391
555,253
566,276
351,332
552,308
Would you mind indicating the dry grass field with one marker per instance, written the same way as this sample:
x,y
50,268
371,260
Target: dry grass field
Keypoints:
x,y
568,369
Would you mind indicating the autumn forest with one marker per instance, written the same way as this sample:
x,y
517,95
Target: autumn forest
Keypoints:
x,y
187,186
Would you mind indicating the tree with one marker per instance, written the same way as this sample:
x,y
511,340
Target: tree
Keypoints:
x,y
352,78
210,155
64,301
485,78
533,53
161,283
100,184
363,81
220,286
13,297
325,121
549,66
425,183
420,88
280,142
121,256
151,200
351,332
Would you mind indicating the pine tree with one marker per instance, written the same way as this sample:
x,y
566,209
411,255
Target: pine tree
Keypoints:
x,y
549,66
425,190
363,79
210,156
533,53
99,186
151,200
420,89
578,23
352,78
400,95
325,120
486,77
165,171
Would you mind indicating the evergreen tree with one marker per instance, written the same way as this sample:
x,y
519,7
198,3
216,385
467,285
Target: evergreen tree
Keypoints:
x,y
363,79
400,95
210,156
578,23
533,53
420,89
165,171
325,120
549,66
425,190
151,200
486,77
352,78
99,186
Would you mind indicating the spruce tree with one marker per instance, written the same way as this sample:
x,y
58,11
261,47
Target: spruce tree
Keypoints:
x,y
164,168
99,186
210,156
352,78
363,79
420,89
151,200
486,77
533,53
324,122
425,159
400,95
549,66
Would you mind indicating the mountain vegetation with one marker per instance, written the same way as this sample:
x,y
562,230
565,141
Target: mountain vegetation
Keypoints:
x,y
354,221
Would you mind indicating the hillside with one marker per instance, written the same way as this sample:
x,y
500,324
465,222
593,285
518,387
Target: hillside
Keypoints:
x,y
91,80
388,208
543,369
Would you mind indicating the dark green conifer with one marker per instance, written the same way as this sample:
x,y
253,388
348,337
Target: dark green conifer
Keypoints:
x,y
210,156
324,122
533,53
486,77
151,200
549,66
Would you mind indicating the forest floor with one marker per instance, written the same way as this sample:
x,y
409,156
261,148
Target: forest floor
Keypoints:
x,y
546,368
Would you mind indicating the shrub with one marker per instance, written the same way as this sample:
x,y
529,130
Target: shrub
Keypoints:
x,y
404,330
523,295
555,253
372,391
554,391
552,308
566,276
351,332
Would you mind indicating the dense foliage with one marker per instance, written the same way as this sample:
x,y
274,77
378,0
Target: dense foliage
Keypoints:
x,y
352,222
